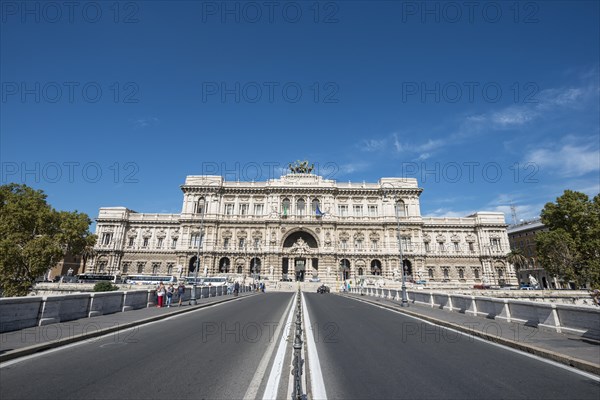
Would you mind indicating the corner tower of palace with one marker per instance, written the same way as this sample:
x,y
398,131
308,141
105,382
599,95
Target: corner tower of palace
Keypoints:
x,y
301,226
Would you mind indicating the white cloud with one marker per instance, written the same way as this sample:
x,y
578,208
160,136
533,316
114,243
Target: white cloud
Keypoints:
x,y
372,145
568,160
145,122
513,116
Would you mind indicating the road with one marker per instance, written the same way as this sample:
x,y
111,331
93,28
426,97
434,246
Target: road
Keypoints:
x,y
367,352
211,353
224,351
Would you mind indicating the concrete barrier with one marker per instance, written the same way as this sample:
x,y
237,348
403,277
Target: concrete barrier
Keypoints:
x,y
105,303
64,308
580,320
135,300
25,312
19,313
583,321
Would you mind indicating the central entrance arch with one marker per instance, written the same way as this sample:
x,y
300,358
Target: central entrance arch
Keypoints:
x,y
299,248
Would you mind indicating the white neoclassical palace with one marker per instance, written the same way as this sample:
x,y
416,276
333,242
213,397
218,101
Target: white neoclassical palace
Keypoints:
x,y
301,226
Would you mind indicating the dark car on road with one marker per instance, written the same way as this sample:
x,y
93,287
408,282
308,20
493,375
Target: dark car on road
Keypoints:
x,y
323,289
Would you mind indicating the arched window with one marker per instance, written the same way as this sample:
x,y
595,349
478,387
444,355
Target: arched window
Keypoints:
x,y
400,209
315,205
430,273
300,207
285,207
199,208
360,272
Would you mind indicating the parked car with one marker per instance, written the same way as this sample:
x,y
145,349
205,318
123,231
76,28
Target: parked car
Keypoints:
x,y
323,289
481,286
314,279
285,280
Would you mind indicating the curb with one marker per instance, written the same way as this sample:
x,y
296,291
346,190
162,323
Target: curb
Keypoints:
x,y
551,355
25,351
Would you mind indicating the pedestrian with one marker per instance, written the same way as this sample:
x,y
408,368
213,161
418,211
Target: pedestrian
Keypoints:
x,y
170,292
160,292
180,292
236,289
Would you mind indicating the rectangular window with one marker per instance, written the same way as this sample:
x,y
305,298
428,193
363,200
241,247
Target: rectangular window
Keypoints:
x,y
343,210
495,244
130,243
358,244
126,266
242,243
244,209
195,240
229,209
441,247
427,248
372,211
226,243
145,242
174,243
256,243
106,238
405,243
471,246
258,209
344,244
456,248
373,244
358,210
159,243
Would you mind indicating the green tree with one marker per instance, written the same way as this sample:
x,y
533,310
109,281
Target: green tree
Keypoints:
x,y
571,247
105,286
517,258
34,237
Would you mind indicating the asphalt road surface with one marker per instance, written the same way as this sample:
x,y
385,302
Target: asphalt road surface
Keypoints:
x,y
365,352
211,353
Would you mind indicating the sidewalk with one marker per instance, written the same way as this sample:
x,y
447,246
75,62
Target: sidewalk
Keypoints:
x,y
32,340
566,349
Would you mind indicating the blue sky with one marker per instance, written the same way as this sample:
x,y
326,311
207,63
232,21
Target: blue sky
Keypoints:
x,y
487,104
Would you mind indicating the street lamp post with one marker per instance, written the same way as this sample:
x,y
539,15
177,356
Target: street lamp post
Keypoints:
x,y
404,294
193,300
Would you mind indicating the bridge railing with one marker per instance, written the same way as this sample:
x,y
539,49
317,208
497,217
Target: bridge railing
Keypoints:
x,y
25,312
564,318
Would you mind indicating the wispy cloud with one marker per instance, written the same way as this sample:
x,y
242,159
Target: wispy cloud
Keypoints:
x,y
141,123
567,159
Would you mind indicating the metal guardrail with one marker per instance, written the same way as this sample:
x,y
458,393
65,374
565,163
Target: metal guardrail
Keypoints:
x,y
298,362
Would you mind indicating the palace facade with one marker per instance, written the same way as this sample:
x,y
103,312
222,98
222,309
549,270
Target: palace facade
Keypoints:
x,y
301,226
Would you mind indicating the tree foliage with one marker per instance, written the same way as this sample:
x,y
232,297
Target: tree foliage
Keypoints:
x,y
34,237
571,247
105,286
517,258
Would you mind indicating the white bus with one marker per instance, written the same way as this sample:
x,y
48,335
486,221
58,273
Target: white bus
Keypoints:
x,y
215,281
150,279
94,278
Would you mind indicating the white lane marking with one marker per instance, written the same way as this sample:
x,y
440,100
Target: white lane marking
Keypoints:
x,y
277,369
502,346
115,333
317,384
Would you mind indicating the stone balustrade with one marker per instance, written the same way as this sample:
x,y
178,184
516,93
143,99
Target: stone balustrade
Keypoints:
x,y
25,312
583,321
